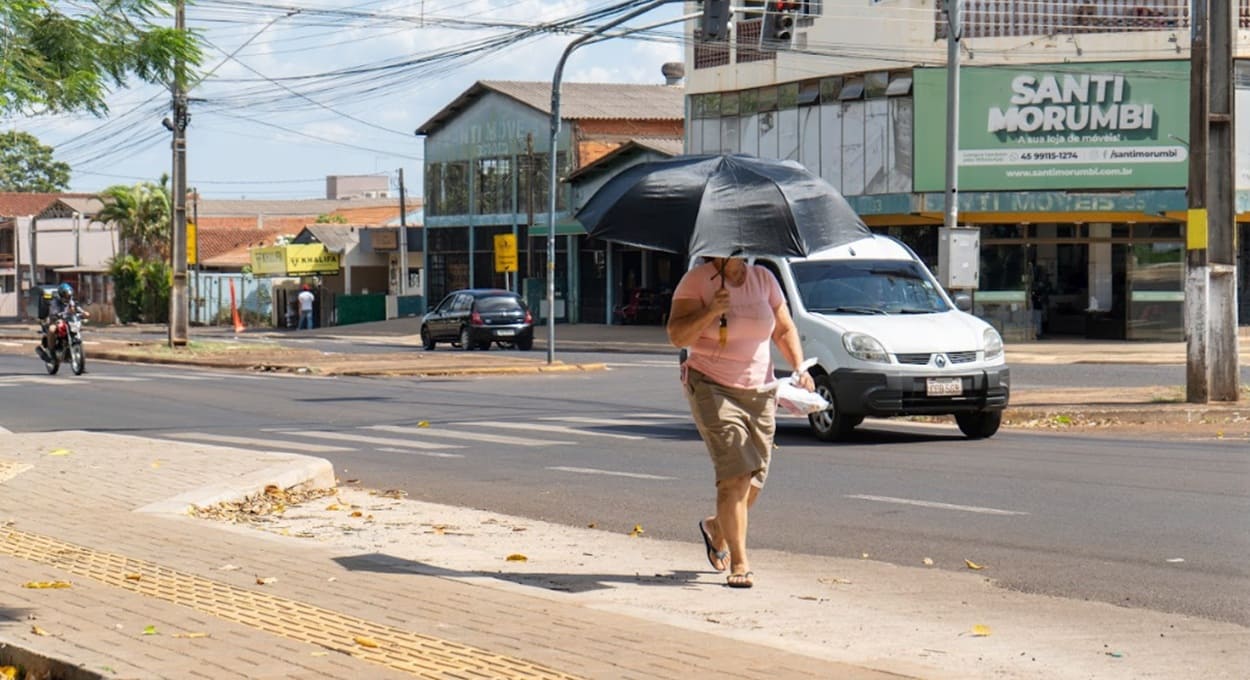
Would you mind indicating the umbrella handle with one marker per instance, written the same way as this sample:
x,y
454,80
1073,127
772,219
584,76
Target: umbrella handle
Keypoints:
x,y
723,330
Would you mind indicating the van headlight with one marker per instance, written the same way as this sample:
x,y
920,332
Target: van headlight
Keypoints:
x,y
993,344
865,347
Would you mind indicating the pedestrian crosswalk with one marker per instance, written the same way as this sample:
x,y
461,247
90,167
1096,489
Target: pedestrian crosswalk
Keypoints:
x,y
456,439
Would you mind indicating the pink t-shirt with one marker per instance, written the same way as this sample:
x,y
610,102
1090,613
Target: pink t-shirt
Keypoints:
x,y
744,360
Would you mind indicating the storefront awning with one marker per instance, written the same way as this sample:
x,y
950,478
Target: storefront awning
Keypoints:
x,y
294,260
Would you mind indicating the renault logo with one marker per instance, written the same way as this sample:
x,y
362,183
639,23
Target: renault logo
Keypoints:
x,y
940,360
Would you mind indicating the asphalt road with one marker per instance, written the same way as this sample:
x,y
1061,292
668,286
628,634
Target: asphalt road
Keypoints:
x,y
1138,523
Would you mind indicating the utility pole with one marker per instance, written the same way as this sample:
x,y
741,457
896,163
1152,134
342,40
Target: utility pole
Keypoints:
x,y
178,246
953,34
1211,370
403,237
1197,271
1221,216
529,203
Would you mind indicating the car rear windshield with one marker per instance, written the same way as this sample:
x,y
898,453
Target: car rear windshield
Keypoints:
x,y
498,303
867,287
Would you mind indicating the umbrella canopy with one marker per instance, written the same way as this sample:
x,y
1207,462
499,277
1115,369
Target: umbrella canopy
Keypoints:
x,y
722,206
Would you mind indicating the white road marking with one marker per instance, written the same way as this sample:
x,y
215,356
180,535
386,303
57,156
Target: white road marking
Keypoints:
x,y
174,376
251,442
613,473
935,504
35,380
115,378
553,428
11,344
364,439
428,454
586,420
470,436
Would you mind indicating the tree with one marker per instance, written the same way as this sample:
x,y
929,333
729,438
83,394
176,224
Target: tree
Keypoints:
x,y
331,218
142,215
61,56
27,165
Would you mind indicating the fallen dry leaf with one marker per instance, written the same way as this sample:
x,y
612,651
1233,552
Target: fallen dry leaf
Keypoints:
x,y
133,577
190,636
928,561
229,567
365,642
423,423
334,506
8,672
980,630
150,630
831,579
318,653
156,463
973,565
45,585
637,531
357,513
517,557
38,631
266,580
59,452
592,525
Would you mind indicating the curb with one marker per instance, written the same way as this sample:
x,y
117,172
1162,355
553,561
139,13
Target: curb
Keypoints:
x,y
35,664
303,471
106,355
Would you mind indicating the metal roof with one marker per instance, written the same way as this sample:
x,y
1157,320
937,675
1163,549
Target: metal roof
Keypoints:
x,y
312,206
578,101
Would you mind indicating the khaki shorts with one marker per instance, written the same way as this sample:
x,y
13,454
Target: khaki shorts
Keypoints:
x,y
736,424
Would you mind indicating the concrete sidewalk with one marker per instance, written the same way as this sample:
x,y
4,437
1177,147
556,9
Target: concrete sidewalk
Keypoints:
x,y
365,585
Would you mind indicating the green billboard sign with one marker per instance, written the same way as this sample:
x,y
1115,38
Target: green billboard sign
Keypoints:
x,y
1116,125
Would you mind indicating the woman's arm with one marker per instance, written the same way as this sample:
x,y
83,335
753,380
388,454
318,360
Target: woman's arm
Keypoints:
x,y
689,316
786,336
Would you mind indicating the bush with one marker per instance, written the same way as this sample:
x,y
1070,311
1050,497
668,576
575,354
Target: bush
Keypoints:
x,y
141,289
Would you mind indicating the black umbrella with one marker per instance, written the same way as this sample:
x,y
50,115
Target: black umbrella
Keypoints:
x,y
721,206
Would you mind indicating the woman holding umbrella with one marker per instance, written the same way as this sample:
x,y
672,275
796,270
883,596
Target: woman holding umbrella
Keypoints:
x,y
726,311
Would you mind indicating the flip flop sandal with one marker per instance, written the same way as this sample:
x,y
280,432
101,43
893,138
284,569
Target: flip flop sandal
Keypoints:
x,y
712,553
745,580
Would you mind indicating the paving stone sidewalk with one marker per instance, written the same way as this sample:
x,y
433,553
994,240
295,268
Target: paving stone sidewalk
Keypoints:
x,y
154,593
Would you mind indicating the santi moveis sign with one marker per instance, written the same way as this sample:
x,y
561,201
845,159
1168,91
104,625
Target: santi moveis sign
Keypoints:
x,y
1057,126
294,260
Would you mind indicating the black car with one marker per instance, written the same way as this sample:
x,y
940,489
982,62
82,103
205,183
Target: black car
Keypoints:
x,y
476,317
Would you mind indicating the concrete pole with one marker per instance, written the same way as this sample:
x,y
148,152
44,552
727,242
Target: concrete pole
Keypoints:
x,y
1221,198
1197,273
954,32
178,244
403,237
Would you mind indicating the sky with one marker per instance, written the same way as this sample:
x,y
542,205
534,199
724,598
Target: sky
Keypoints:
x,y
294,90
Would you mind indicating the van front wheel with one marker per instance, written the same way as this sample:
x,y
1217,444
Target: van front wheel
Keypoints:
x,y
979,425
831,425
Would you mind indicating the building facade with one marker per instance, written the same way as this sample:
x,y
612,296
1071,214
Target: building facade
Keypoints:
x,y
487,172
1073,160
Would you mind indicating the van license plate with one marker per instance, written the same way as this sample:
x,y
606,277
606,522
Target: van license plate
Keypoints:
x,y
944,387
505,332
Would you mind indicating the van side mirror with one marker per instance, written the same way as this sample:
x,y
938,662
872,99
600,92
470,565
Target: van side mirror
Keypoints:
x,y
963,302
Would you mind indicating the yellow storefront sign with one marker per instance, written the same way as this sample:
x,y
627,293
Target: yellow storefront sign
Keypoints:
x,y
310,258
294,260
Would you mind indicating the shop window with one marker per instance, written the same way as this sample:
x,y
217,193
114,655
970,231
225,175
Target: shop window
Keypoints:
x,y
788,96
809,93
749,102
768,99
1157,232
448,239
829,89
433,202
456,188
729,104
494,189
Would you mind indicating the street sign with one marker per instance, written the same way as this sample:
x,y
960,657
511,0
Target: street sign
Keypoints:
x,y
505,253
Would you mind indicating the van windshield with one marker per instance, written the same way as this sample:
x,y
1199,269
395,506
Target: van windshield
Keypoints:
x,y
867,287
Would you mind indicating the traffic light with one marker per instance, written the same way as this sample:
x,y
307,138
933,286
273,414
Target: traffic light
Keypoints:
x,y
778,28
714,23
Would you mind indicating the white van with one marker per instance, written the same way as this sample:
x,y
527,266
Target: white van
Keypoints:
x,y
888,341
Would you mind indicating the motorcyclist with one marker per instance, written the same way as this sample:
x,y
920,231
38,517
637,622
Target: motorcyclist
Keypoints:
x,y
63,304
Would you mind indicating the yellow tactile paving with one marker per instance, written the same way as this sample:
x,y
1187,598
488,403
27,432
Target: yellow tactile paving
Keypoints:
x,y
421,655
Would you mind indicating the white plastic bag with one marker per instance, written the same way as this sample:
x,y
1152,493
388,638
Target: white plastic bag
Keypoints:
x,y
795,399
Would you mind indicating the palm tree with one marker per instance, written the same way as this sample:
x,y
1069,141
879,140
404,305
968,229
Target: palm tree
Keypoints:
x,y
142,216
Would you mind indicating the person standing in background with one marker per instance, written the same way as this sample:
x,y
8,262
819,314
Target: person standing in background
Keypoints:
x,y
306,299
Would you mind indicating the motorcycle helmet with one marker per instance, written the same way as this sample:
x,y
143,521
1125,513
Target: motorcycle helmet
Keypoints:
x,y
66,291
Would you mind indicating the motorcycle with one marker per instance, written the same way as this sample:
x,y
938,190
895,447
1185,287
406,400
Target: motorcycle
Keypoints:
x,y
67,345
